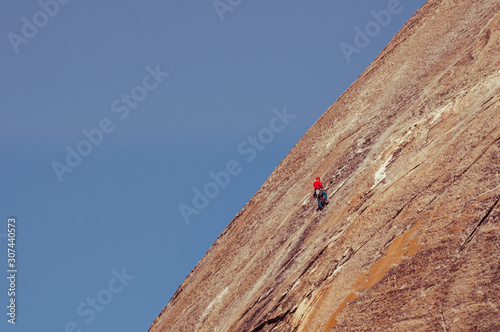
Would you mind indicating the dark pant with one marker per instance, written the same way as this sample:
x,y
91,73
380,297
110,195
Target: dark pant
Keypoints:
x,y
319,202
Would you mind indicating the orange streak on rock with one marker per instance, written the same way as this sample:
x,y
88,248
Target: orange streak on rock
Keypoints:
x,y
400,247
333,321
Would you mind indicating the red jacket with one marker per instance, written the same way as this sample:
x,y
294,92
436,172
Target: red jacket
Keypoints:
x,y
318,185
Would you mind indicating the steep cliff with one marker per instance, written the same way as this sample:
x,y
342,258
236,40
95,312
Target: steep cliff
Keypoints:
x,y
410,241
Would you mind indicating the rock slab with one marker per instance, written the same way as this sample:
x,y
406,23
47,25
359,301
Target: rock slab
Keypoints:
x,y
410,241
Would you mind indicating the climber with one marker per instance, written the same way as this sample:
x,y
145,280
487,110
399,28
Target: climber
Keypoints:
x,y
320,194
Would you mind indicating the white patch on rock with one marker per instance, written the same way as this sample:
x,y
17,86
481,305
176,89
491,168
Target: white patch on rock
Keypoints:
x,y
437,114
305,200
330,141
215,301
295,284
360,143
337,270
380,174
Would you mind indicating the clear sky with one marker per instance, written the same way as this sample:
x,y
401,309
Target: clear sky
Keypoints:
x,y
132,132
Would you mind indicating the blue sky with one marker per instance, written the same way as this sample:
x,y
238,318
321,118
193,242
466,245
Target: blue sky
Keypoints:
x,y
101,243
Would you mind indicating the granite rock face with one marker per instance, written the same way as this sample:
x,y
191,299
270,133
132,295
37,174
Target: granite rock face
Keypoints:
x,y
410,155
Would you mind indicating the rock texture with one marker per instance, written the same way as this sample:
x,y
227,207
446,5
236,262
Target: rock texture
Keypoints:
x,y
410,240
